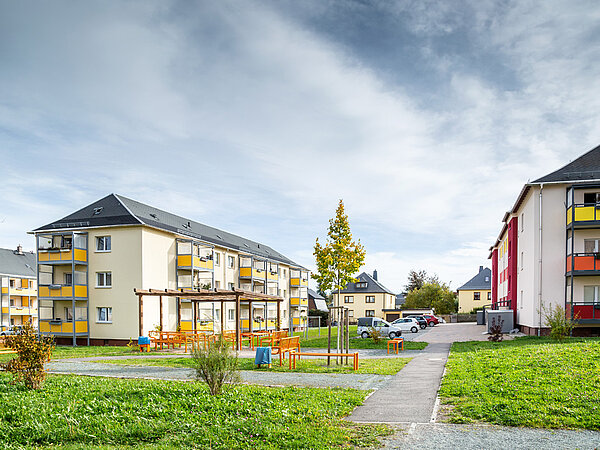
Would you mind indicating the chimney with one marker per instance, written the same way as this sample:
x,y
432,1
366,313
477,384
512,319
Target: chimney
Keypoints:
x,y
19,250
480,268
375,275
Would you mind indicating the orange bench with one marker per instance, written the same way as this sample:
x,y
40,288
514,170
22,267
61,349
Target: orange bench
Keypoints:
x,y
395,343
294,355
286,345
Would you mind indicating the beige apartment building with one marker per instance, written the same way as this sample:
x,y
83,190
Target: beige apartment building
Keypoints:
x,y
366,297
18,288
89,263
548,250
477,292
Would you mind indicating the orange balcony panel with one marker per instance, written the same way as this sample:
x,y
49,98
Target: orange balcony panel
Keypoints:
x,y
80,254
584,263
245,272
5,290
5,310
184,260
44,327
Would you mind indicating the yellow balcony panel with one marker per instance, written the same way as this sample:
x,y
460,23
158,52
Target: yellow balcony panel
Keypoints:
x,y
81,326
298,282
22,311
62,291
5,310
569,215
55,328
584,213
186,325
203,263
67,327
80,254
44,291
80,291
245,272
5,290
44,327
272,276
184,260
297,321
297,301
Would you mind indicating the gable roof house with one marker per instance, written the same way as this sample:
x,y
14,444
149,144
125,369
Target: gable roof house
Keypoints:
x,y
366,297
476,292
90,261
546,252
18,288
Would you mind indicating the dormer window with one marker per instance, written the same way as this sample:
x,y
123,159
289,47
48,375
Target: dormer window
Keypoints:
x,y
361,284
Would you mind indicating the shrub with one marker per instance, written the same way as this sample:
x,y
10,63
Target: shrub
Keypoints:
x,y
216,365
375,335
32,354
560,326
496,330
133,346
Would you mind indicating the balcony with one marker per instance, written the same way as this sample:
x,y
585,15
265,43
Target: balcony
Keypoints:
x,y
298,321
585,313
62,256
298,282
584,215
62,292
256,326
583,264
199,263
22,311
297,301
58,327
249,272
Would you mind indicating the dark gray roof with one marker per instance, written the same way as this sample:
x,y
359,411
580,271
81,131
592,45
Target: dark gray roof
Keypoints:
x,y
479,281
373,286
315,295
17,264
400,299
586,167
115,209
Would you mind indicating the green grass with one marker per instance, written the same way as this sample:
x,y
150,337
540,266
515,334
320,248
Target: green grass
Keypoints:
x,y
79,412
379,366
534,382
356,342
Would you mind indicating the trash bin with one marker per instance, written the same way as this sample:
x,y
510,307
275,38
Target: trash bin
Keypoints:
x,y
480,318
263,356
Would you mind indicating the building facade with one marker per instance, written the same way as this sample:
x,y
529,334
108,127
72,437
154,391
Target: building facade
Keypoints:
x,y
366,297
477,292
18,288
547,251
89,262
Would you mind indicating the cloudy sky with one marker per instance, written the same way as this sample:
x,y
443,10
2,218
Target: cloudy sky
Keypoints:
x,y
256,117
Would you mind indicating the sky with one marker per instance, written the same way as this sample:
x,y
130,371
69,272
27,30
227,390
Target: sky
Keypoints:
x,y
257,117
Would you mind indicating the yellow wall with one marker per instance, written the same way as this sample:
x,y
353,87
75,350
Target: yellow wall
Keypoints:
x,y
466,302
359,307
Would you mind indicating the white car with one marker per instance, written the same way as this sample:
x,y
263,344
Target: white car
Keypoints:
x,y
384,327
407,324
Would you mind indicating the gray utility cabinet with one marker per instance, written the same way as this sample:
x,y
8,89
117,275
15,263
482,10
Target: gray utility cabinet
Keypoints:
x,y
499,315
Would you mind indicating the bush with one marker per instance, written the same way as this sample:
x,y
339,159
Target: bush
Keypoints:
x,y
32,354
216,365
375,335
560,326
496,330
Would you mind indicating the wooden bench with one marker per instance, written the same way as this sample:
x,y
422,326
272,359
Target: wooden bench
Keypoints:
x,y
286,345
298,354
273,339
395,343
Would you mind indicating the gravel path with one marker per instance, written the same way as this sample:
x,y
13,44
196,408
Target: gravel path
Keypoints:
x,y
330,380
450,436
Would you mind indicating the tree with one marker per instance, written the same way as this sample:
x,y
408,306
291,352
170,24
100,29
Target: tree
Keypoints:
x,y
340,257
416,280
432,295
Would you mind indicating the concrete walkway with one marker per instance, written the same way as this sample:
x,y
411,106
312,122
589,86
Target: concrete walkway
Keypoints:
x,y
411,395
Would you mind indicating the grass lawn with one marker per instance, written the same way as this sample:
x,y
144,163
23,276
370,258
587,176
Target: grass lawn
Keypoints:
x,y
79,412
316,341
534,382
379,366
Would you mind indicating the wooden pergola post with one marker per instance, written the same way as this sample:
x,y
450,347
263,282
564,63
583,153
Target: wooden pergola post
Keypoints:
x,y
251,315
237,321
194,314
160,321
277,326
141,315
222,316
178,313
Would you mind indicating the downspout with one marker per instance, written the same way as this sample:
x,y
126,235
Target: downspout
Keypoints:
x,y
539,333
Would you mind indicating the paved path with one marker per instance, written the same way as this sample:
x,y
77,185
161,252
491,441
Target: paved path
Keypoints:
x,y
330,380
410,396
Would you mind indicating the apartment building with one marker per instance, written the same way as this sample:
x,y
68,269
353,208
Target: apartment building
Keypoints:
x,y
476,292
547,252
366,297
18,288
89,262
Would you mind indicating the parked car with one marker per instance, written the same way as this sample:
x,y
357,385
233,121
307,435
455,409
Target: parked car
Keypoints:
x,y
420,319
384,327
431,320
15,329
407,324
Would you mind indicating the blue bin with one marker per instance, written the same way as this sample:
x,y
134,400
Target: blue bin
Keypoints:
x,y
143,340
263,356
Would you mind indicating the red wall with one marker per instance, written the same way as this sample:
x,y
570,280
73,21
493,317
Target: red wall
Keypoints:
x,y
494,276
513,233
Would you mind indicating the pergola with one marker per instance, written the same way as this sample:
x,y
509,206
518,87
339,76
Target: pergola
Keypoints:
x,y
238,296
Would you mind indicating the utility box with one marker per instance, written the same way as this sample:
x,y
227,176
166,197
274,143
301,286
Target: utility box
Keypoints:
x,y
480,318
498,315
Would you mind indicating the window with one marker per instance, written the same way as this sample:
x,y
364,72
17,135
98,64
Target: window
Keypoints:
x,y
591,197
522,219
591,245
68,279
12,283
66,242
231,262
231,314
217,284
476,295
370,299
217,259
348,299
103,279
489,296
521,260
350,313
370,313
68,314
103,244
279,271
590,294
104,314
230,286
284,273
361,284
